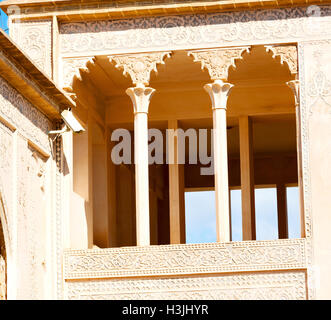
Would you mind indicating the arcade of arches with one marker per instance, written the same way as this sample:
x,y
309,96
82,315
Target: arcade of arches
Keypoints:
x,y
256,141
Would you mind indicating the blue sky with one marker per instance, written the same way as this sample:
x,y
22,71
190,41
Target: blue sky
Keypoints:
x,y
201,215
3,21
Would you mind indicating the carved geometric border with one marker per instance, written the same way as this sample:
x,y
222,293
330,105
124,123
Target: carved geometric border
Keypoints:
x,y
246,286
185,259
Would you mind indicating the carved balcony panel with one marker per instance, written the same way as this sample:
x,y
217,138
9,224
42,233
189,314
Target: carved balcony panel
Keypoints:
x,y
246,286
273,269
185,259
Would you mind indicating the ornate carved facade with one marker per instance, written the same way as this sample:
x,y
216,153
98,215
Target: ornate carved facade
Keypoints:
x,y
77,226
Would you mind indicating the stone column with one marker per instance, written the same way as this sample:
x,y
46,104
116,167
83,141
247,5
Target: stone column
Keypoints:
x,y
295,86
140,97
139,67
219,93
217,62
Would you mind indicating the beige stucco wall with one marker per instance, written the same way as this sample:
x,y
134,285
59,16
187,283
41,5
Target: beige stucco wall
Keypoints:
x,y
316,100
26,190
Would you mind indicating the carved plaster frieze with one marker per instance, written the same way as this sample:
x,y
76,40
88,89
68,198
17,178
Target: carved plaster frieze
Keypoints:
x,y
255,286
72,69
185,259
288,54
139,66
194,31
23,116
218,61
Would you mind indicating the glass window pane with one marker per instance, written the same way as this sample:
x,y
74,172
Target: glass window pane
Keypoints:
x,y
200,215
266,214
293,212
236,217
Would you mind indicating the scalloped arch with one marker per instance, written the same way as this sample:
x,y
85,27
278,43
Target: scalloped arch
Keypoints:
x,y
218,61
287,54
72,69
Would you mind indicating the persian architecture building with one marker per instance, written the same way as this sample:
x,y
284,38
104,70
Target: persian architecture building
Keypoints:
x,y
76,225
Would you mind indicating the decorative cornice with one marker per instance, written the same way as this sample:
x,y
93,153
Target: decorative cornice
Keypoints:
x,y
288,54
218,61
77,10
139,66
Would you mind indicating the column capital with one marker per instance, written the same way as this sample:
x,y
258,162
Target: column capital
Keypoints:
x,y
288,54
219,93
295,87
139,66
218,61
140,97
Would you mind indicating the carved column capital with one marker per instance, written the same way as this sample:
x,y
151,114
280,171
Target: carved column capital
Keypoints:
x,y
139,66
219,93
288,54
140,97
295,87
218,61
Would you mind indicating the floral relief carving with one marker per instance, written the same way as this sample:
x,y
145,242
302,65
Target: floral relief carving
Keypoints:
x,y
259,286
288,54
319,87
185,259
34,38
218,61
139,66
23,115
194,31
